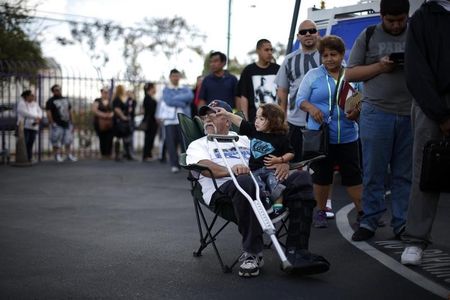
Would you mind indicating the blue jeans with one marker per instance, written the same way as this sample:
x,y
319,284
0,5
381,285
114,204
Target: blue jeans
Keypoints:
x,y
386,140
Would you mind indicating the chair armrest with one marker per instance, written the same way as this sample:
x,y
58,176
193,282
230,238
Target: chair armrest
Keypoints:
x,y
303,163
200,168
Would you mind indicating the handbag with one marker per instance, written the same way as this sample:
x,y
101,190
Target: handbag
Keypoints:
x,y
317,142
435,175
105,124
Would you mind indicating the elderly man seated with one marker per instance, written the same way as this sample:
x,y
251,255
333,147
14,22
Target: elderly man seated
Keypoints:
x,y
298,197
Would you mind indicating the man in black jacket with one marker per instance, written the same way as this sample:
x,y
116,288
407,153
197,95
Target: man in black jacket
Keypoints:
x,y
427,67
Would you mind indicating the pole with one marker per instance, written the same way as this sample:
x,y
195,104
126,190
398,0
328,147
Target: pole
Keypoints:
x,y
229,31
293,26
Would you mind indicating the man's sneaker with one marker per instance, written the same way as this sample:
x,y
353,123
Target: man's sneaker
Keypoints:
x,y
174,170
59,158
412,256
250,264
278,213
362,234
72,158
320,219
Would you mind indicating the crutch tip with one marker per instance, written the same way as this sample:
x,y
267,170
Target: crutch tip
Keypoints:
x,y
286,266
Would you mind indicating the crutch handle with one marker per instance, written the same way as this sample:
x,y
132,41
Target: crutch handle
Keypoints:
x,y
221,138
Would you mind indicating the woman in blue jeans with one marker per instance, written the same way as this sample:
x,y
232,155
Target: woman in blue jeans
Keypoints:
x,y
316,97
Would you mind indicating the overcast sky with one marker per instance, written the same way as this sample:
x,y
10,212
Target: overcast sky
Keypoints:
x,y
250,21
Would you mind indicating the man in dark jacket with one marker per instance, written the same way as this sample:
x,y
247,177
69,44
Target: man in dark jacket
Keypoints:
x,y
427,67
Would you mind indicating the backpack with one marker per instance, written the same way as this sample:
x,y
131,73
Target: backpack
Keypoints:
x,y
369,32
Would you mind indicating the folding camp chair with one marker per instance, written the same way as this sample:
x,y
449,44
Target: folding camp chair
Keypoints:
x,y
192,129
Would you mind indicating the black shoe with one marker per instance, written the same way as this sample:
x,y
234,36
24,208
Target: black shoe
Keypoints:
x,y
362,234
398,235
305,263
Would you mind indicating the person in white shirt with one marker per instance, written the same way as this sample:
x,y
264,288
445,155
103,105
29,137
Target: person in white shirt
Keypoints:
x,y
30,114
229,203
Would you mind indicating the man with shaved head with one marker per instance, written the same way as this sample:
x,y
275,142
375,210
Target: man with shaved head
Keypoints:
x,y
288,79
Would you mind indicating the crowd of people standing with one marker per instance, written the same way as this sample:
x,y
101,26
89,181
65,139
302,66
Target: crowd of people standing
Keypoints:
x,y
373,144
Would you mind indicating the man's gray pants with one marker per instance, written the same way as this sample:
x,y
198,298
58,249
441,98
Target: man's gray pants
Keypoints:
x,y
422,205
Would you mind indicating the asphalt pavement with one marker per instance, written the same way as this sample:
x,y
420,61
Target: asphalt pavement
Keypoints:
x,y
108,230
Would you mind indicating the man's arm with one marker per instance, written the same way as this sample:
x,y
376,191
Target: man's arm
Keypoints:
x,y
282,95
420,79
49,117
220,171
364,73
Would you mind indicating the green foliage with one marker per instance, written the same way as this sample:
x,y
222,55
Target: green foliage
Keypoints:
x,y
18,53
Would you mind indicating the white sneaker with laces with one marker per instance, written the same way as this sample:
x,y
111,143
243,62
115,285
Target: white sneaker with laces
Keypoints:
x,y
412,255
59,158
250,264
71,157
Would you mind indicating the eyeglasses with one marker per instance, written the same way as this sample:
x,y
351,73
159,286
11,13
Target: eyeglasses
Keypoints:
x,y
305,31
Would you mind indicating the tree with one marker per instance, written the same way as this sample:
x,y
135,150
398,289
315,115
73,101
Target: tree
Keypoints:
x,y
168,36
18,53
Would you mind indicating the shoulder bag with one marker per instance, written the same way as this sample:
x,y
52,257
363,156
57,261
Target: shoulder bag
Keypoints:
x,y
435,175
316,142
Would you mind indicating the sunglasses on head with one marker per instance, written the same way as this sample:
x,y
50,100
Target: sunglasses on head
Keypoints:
x,y
305,31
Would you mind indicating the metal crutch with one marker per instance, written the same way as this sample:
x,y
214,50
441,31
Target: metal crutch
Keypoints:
x,y
256,204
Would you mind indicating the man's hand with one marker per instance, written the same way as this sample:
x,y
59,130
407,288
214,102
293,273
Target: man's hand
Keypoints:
x,y
281,170
445,127
240,169
386,65
271,160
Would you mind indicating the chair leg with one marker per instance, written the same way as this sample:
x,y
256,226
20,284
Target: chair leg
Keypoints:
x,y
209,237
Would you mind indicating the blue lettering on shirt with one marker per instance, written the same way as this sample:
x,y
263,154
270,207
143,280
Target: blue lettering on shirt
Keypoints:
x,y
232,153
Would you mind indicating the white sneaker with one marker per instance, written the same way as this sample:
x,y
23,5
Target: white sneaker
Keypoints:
x,y
71,157
175,169
328,210
412,255
58,158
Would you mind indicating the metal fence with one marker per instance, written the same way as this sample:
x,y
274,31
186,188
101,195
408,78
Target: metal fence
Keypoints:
x,y
81,91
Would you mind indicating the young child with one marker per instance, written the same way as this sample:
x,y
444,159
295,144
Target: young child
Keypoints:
x,y
269,145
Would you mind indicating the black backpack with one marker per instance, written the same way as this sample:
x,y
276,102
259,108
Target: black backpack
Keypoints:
x,y
369,32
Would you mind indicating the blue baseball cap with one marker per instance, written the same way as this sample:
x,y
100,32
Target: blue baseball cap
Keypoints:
x,y
215,103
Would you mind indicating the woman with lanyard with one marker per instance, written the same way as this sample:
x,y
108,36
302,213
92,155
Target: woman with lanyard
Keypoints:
x,y
317,97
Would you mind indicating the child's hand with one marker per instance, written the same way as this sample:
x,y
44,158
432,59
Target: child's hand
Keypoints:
x,y
221,112
271,160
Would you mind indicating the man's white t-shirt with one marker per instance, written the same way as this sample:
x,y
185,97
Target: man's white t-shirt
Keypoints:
x,y
202,149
